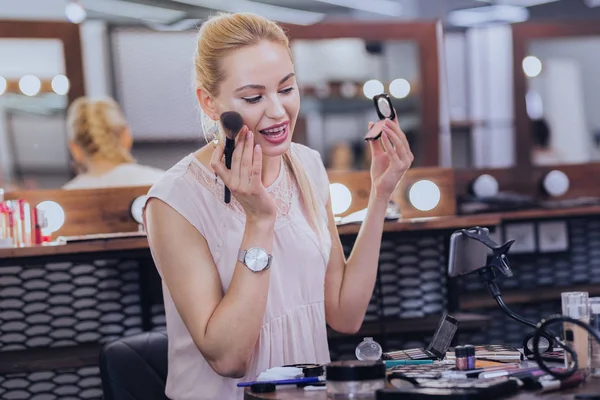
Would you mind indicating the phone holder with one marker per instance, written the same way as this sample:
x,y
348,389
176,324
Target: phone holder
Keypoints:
x,y
498,264
499,261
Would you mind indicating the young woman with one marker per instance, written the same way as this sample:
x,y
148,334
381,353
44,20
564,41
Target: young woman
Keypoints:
x,y
100,144
251,284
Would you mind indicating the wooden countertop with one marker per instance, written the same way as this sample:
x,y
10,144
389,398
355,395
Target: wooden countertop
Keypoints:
x,y
108,246
429,223
139,243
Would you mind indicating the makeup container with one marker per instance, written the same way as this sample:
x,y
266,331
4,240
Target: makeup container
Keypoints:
x,y
368,350
460,352
354,379
575,305
594,345
470,353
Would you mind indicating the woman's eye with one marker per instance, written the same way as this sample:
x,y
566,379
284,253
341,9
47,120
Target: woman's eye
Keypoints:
x,y
252,100
288,90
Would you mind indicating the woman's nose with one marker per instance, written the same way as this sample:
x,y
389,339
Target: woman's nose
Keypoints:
x,y
276,110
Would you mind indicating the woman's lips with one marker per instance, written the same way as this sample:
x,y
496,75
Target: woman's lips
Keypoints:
x,y
277,133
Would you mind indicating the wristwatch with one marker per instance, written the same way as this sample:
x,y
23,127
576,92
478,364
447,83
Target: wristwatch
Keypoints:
x,y
255,258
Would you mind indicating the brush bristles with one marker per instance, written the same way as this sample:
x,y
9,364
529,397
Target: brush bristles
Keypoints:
x,y
232,123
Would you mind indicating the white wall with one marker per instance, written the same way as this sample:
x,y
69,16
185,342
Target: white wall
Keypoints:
x,y
489,55
153,73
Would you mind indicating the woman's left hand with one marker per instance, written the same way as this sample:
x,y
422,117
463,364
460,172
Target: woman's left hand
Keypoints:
x,y
391,157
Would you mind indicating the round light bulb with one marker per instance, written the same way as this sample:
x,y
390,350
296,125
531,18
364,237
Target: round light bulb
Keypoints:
x,y
348,90
341,198
400,88
55,215
532,66
30,85
75,12
3,85
60,85
372,88
485,186
137,209
424,195
556,183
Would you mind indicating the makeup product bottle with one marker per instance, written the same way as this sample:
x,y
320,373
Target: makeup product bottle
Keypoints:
x,y
470,352
5,239
594,345
460,352
368,350
575,305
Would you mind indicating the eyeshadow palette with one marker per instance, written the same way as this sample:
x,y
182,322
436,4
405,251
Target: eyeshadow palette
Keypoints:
x,y
436,350
493,352
423,371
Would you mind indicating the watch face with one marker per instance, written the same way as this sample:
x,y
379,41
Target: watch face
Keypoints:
x,y
256,259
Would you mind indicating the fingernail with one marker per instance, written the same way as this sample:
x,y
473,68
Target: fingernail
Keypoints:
x,y
257,148
249,134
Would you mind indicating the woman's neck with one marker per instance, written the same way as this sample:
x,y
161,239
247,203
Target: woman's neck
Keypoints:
x,y
99,167
271,167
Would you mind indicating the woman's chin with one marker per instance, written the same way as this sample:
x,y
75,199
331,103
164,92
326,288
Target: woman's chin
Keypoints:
x,y
274,150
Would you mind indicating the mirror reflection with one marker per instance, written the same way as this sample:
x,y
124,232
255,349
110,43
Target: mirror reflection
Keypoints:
x,y
338,79
478,62
563,100
33,102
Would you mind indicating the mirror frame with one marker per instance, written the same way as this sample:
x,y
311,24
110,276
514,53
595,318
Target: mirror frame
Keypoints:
x,y
519,178
66,32
523,34
427,36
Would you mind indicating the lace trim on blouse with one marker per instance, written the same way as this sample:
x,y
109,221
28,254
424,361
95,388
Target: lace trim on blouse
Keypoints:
x,y
282,190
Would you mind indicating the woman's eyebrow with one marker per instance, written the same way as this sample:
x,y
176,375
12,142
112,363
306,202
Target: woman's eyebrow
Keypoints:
x,y
253,86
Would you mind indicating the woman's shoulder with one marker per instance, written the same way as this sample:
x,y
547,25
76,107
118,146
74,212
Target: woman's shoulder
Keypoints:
x,y
172,180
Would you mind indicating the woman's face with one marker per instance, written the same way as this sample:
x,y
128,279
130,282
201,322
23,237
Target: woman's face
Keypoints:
x,y
260,85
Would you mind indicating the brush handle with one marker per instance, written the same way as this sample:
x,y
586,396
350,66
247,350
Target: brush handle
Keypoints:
x,y
294,381
229,147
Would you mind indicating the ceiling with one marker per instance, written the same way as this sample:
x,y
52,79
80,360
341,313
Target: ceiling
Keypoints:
x,y
175,14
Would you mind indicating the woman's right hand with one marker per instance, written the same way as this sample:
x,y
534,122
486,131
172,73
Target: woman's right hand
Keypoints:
x,y
244,179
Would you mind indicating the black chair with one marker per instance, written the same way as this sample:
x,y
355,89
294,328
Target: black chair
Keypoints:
x,y
135,367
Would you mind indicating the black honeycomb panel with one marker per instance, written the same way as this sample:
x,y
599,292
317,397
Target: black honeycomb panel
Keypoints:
x,y
68,384
65,304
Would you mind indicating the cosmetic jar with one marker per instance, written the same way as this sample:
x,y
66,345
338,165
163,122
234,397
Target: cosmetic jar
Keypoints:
x,y
460,353
470,352
354,379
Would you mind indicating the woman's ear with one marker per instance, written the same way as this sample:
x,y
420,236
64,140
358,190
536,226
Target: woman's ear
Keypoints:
x,y
209,106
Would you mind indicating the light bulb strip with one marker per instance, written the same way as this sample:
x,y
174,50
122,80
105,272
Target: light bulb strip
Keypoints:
x,y
12,86
334,88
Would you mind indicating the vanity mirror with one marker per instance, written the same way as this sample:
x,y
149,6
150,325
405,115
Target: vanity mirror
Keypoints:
x,y
343,67
40,74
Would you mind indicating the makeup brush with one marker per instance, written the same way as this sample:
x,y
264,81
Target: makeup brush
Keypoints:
x,y
232,123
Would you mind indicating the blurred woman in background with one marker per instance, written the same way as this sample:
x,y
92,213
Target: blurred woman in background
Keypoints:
x,y
100,143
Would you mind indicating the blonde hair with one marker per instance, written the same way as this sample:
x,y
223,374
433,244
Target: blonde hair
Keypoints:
x,y
221,35
96,125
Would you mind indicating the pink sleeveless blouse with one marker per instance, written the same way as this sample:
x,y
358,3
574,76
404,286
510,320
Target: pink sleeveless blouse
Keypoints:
x,y
294,326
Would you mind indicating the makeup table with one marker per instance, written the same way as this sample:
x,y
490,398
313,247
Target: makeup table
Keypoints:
x,y
591,386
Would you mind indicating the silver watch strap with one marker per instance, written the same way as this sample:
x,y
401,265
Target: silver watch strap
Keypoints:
x,y
242,256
